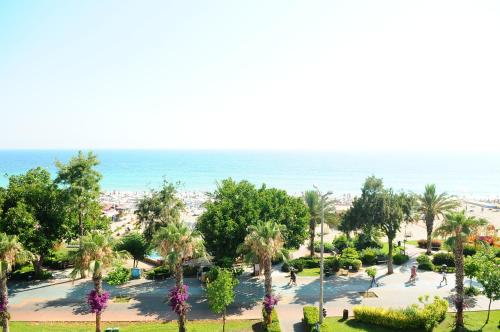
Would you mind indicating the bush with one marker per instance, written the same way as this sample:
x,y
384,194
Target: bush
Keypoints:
x,y
424,263
369,256
363,241
118,276
327,246
332,265
58,259
275,322
27,273
472,291
443,258
311,317
297,264
158,273
469,250
412,317
189,271
350,258
399,259
341,242
434,243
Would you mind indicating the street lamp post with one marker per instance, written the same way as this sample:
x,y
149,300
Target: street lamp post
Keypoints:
x,y
322,250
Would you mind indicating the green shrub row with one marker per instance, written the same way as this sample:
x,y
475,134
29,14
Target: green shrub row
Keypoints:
x,y
435,243
299,264
311,317
158,273
424,263
412,317
399,259
443,258
27,273
58,259
275,322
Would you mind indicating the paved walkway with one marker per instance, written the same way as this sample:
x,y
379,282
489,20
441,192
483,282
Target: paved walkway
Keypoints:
x,y
64,300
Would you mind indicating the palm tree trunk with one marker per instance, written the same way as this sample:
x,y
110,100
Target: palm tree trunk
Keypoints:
x,y
179,281
4,294
459,281
429,224
98,288
38,266
390,269
312,229
268,281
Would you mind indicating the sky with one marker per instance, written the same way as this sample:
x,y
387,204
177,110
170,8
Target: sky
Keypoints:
x,y
327,75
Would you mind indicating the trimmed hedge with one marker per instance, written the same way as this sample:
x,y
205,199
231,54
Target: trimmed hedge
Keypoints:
x,y
443,258
311,317
275,322
411,317
424,263
399,259
469,250
158,273
434,243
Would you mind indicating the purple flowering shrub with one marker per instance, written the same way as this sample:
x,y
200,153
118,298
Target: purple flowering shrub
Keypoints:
x,y
178,299
97,302
269,302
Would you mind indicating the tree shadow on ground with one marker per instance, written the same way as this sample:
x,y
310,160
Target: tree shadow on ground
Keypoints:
x,y
334,288
75,299
150,298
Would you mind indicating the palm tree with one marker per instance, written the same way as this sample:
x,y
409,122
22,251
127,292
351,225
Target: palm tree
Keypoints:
x,y
265,242
313,203
177,243
432,206
11,252
457,227
96,254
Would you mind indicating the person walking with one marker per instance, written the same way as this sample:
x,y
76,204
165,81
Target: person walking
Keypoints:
x,y
293,278
413,274
443,273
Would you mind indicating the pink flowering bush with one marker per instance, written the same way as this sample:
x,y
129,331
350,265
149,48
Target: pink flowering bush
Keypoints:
x,y
269,302
97,302
178,299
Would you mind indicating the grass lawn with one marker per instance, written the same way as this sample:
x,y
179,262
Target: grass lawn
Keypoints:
x,y
474,321
312,272
194,326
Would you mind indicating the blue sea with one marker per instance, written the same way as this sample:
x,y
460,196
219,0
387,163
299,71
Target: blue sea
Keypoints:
x,y
472,174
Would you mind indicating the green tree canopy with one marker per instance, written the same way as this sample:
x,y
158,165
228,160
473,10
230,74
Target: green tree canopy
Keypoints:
x,y
135,245
220,293
377,208
160,208
32,210
81,185
234,206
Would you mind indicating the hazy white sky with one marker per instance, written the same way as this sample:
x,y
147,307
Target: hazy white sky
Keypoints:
x,y
250,74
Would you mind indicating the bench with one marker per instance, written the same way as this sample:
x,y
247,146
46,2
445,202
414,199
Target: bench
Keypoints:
x,y
344,272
